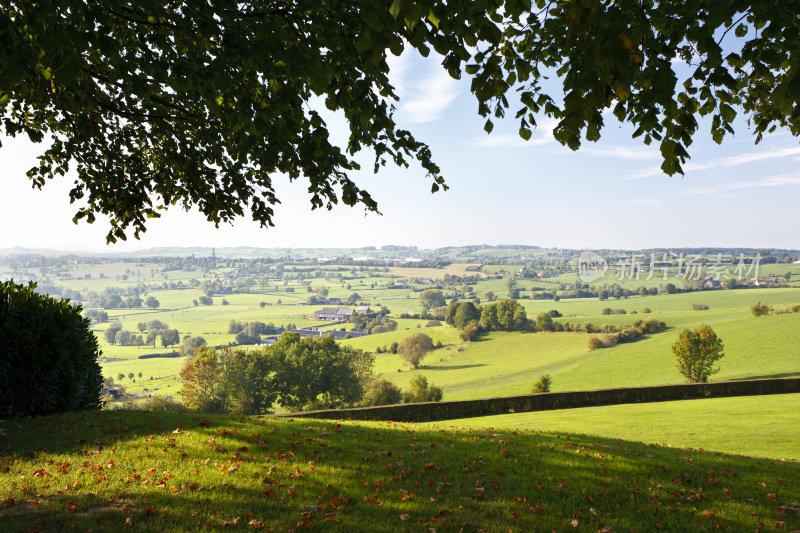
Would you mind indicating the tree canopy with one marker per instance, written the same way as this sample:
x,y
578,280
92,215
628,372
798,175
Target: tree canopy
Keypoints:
x,y
164,103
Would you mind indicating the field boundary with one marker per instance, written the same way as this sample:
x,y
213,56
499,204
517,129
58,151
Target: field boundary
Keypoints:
x,y
429,411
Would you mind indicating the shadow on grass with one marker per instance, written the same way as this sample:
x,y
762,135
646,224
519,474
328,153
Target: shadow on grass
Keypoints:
x,y
453,367
769,376
353,477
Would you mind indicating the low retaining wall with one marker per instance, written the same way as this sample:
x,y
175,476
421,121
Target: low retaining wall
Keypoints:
x,y
421,412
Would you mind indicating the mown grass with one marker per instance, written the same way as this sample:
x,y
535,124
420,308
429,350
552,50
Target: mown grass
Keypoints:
x,y
765,426
175,472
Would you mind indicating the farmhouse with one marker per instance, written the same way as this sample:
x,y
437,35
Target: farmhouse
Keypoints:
x,y
711,284
340,314
363,310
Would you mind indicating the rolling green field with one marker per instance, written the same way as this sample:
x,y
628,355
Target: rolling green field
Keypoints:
x,y
140,471
764,426
501,364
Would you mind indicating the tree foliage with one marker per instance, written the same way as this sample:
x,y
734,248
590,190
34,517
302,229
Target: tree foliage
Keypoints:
x,y
430,299
48,361
382,392
697,352
465,313
542,384
293,372
190,344
157,106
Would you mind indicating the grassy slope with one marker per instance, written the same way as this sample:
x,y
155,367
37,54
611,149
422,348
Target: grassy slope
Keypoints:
x,y
101,470
766,426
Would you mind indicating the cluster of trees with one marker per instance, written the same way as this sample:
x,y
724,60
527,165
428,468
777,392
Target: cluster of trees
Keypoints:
x,y
501,315
239,285
296,373
250,332
116,301
96,315
618,334
379,323
115,335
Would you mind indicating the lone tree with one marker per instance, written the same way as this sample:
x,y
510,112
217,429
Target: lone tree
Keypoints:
x,y
152,302
157,106
697,351
414,348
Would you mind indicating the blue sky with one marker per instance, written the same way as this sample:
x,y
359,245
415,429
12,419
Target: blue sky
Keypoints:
x,y
503,190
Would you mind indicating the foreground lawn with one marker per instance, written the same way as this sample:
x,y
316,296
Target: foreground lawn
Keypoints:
x,y
168,472
765,426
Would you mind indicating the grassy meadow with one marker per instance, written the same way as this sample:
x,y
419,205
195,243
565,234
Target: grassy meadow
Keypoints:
x,y
139,471
762,426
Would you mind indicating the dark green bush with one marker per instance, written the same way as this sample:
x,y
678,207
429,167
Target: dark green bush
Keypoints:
x,y
48,360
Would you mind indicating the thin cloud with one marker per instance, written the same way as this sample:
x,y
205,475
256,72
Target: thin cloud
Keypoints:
x,y
542,134
774,181
621,152
428,98
641,202
722,162
425,89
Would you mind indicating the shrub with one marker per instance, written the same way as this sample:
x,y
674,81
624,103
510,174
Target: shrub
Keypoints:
x,y
542,384
760,309
606,311
700,307
589,327
158,403
432,324
420,391
544,322
48,361
595,343
629,334
645,310
651,325
382,392
470,331
611,340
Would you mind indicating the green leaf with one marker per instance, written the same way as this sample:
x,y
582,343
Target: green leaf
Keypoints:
x,y
488,126
395,8
525,133
433,19
727,112
472,69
